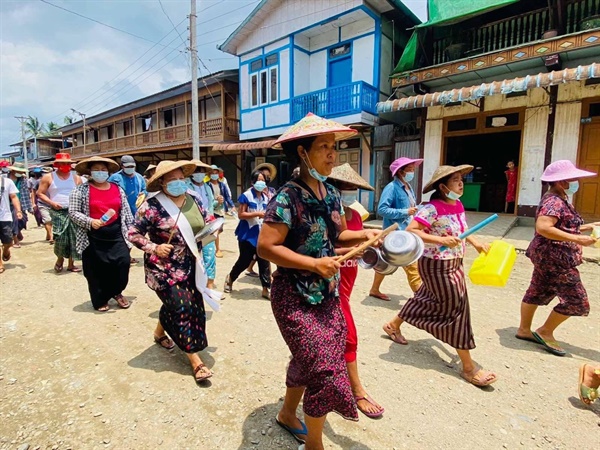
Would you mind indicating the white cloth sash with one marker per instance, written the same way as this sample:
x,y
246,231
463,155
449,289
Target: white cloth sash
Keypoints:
x,y
210,296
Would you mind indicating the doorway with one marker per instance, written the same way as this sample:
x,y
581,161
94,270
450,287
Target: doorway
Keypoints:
x,y
586,199
485,188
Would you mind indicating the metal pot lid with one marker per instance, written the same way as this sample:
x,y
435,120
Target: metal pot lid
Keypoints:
x,y
210,228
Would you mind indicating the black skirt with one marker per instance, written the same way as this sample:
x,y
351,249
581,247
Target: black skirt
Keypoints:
x,y
106,263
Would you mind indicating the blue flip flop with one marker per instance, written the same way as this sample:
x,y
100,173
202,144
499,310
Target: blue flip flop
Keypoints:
x,y
549,346
294,431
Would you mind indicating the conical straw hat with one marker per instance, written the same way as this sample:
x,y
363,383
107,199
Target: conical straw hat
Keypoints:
x,y
313,125
347,174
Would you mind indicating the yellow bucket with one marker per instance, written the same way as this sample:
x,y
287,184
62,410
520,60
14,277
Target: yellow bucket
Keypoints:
x,y
493,268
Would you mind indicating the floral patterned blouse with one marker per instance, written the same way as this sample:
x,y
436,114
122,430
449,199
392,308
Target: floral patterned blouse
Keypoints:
x,y
154,221
557,254
309,234
442,219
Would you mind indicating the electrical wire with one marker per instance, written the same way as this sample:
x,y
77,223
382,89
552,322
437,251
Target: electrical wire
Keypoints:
x,y
174,27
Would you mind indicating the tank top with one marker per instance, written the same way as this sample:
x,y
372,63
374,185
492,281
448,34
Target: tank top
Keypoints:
x,y
60,190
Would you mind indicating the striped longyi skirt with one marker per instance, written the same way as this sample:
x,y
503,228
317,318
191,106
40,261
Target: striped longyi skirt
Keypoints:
x,y
441,305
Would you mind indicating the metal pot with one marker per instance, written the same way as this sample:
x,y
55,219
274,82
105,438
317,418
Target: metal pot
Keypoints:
x,y
401,248
372,259
208,234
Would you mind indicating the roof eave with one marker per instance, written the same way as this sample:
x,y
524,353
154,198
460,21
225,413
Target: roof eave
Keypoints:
x,y
226,46
398,4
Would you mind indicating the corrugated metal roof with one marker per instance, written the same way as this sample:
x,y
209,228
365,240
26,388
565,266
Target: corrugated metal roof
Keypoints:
x,y
231,75
466,94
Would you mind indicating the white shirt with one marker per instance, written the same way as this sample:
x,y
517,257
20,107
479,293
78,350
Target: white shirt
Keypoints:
x,y
9,188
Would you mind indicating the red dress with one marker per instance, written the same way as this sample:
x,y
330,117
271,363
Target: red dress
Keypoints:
x,y
348,273
103,200
511,189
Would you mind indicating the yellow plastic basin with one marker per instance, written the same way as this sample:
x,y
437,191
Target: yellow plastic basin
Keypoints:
x,y
493,268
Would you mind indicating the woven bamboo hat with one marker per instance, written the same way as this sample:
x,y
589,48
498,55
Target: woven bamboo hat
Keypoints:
x,y
444,171
17,167
347,174
270,167
149,168
313,125
200,164
164,167
83,167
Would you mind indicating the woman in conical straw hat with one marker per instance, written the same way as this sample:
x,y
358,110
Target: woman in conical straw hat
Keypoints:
x,y
441,305
302,226
348,181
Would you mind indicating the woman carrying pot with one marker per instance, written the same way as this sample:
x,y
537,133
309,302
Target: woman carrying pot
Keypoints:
x,y
398,204
555,252
165,227
301,228
101,214
441,305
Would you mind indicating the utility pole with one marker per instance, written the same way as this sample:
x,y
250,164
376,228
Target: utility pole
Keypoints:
x,y
84,130
25,161
194,67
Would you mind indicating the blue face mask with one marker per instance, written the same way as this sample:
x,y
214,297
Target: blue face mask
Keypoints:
x,y
198,177
99,176
409,176
260,185
573,187
348,197
313,172
214,176
176,188
129,170
451,195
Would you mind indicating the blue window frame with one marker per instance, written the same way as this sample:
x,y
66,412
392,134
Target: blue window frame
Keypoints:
x,y
264,80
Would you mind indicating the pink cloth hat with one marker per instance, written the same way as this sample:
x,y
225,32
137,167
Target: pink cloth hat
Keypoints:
x,y
563,170
401,162
313,125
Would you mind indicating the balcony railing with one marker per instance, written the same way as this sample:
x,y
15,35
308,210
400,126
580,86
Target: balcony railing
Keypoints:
x,y
509,32
221,128
336,101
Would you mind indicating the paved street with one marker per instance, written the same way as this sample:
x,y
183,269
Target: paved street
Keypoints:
x,y
74,378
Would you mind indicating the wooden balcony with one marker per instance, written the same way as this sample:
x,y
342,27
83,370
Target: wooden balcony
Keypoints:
x,y
221,129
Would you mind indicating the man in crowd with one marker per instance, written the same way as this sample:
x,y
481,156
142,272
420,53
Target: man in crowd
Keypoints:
x,y
18,175
54,191
131,182
8,195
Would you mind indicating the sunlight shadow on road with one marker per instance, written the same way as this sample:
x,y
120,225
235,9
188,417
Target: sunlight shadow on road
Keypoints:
x,y
576,403
343,441
259,419
394,304
508,340
160,359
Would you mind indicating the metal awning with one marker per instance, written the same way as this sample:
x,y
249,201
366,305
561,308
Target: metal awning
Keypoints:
x,y
466,94
245,145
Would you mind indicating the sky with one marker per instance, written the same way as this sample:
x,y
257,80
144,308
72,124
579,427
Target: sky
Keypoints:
x,y
52,60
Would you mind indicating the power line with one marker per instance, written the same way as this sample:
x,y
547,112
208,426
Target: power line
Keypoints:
x,y
98,22
174,27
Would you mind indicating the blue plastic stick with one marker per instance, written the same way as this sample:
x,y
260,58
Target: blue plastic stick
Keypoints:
x,y
475,229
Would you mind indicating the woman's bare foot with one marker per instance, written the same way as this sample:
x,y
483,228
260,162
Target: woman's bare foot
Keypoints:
x,y
367,405
394,334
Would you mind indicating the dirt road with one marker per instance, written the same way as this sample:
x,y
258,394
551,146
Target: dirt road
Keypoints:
x,y
74,378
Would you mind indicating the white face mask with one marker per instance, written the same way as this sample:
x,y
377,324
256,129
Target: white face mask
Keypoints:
x,y
451,195
129,170
349,197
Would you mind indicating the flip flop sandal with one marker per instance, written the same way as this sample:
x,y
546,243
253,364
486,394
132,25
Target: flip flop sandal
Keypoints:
x,y
526,338
122,301
2,270
201,367
228,285
372,402
380,297
104,308
587,395
550,346
73,269
58,268
294,431
251,274
395,335
165,342
476,381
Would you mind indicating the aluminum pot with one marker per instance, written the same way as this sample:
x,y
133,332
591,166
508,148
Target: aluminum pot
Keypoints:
x,y
372,259
401,248
208,234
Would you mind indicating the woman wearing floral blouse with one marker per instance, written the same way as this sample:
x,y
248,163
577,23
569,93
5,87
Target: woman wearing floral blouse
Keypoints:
x,y
172,260
301,226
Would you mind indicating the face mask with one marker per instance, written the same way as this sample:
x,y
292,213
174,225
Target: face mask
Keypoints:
x,y
99,176
453,195
260,186
214,176
349,197
18,175
573,187
176,188
312,171
198,177
129,170
5,170
409,176
64,169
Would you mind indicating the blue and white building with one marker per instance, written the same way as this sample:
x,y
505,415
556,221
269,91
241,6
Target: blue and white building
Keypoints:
x,y
329,57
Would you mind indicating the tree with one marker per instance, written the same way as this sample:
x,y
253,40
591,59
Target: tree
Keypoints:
x,y
68,120
34,126
52,128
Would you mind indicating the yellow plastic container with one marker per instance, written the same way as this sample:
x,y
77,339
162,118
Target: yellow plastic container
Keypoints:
x,y
493,268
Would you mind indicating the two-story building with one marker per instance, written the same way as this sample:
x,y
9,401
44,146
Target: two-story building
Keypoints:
x,y
159,127
331,58
40,149
497,80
